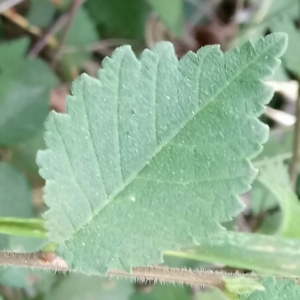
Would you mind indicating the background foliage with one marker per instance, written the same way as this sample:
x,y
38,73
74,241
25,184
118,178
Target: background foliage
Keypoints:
x,y
35,77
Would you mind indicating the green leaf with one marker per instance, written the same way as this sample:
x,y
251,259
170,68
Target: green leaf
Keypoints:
x,y
12,53
16,194
37,15
171,13
152,141
275,178
257,252
288,8
291,58
82,287
268,12
164,292
25,86
281,289
279,148
120,19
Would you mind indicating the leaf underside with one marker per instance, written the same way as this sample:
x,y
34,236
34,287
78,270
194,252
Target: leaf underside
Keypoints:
x,y
152,155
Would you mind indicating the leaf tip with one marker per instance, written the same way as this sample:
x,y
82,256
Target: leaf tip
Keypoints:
x,y
281,38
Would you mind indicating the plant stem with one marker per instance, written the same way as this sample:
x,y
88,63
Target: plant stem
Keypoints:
x,y
157,273
23,227
44,40
73,11
261,253
294,167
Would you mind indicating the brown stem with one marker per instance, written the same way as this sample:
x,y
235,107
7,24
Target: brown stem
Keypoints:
x,y
73,11
44,40
49,261
162,274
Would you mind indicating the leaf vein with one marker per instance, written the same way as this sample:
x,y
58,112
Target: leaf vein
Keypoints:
x,y
211,100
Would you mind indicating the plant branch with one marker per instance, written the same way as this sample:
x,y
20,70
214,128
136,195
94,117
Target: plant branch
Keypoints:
x,y
23,23
44,40
71,17
98,46
294,167
158,273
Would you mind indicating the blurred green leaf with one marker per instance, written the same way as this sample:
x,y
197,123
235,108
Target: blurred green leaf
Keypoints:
x,y
164,292
83,287
257,252
276,178
24,156
120,18
25,86
268,11
278,148
82,33
171,13
279,8
270,223
41,13
280,289
186,261
211,294
12,53
15,201
17,277
291,58
16,194
262,199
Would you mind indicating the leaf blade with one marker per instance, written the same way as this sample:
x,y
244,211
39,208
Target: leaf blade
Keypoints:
x,y
134,139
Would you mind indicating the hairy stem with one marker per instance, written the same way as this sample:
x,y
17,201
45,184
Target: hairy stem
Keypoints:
x,y
294,167
261,253
158,273
162,274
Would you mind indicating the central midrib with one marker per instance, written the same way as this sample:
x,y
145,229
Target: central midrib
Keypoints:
x,y
130,180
